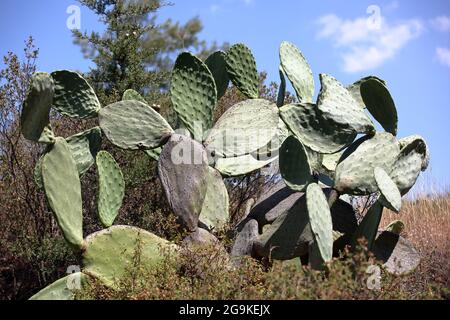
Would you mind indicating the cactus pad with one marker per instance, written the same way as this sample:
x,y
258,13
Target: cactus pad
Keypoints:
x,y
217,65
294,164
368,227
111,188
74,97
244,128
109,253
338,105
420,146
133,125
241,68
298,71
60,289
154,153
282,88
306,122
354,174
193,92
396,226
380,104
63,190
320,219
131,94
36,108
84,147
183,170
355,89
237,166
390,195
215,210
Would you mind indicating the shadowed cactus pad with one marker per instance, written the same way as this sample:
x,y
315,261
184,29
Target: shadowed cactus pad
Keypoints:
x,y
133,125
244,128
74,97
183,170
109,253
193,93
297,70
390,195
368,227
294,164
354,173
320,219
338,105
84,147
36,108
63,190
306,122
111,188
241,68
217,65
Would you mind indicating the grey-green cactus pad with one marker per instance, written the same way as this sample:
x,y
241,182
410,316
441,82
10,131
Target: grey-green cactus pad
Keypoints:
x,y
271,149
355,89
193,92
109,253
183,170
154,153
236,166
111,188
298,71
74,97
215,209
131,94
63,190
354,174
244,128
390,195
61,289
368,227
338,105
282,88
420,145
217,65
294,164
84,147
241,68
133,125
320,219
306,122
36,108
380,104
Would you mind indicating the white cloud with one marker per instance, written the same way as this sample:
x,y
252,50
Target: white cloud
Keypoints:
x,y
366,44
443,55
214,8
441,23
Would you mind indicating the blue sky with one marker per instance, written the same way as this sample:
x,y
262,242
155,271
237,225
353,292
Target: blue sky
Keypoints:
x,y
405,42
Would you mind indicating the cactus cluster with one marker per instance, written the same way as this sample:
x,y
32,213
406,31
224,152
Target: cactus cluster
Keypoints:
x,y
305,215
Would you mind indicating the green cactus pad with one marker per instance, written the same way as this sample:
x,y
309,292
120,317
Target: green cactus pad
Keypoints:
x,y
37,174
329,163
241,68
60,289
320,219
84,147
237,166
420,146
109,254
154,153
338,105
271,149
368,227
183,170
217,65
63,190
355,89
244,128
298,71
111,188
47,136
36,108
408,165
131,94
396,226
315,160
282,88
215,210
74,97
193,93
133,125
306,122
294,164
354,174
390,195
380,104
